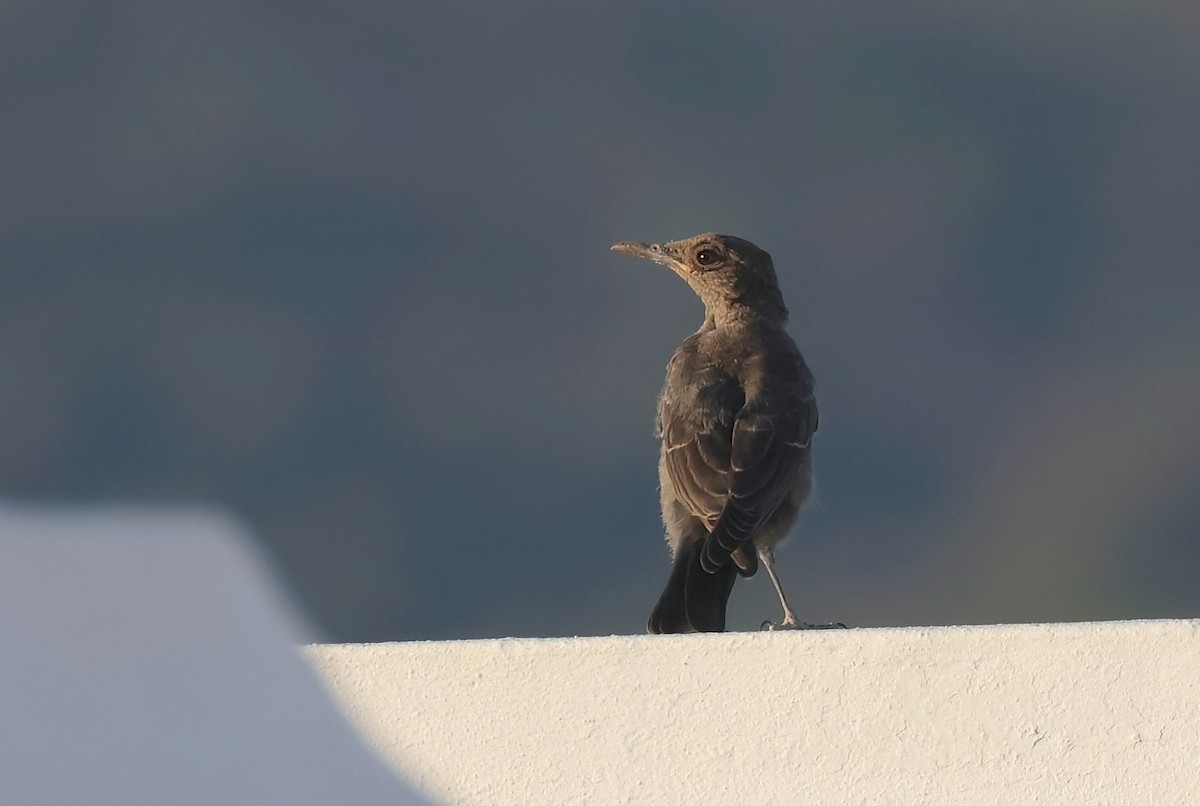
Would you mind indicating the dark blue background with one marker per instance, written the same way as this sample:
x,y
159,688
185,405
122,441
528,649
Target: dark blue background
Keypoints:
x,y
344,268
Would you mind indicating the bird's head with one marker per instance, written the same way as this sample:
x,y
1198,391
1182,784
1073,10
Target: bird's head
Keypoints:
x,y
729,274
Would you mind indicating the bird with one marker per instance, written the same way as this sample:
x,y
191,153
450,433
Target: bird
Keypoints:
x,y
736,419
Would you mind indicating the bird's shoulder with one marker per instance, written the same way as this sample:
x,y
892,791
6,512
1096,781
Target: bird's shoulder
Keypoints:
x,y
716,373
760,358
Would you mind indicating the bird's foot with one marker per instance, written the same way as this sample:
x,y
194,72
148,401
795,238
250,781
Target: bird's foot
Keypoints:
x,y
792,624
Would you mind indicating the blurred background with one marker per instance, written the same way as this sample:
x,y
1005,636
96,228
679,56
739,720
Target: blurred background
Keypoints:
x,y
343,268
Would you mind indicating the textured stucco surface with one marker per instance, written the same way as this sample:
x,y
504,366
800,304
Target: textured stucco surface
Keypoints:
x,y
1054,714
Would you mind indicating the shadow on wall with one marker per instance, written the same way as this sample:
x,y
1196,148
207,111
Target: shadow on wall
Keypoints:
x,y
151,658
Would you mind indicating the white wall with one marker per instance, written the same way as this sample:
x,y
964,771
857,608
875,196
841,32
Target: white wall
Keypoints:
x,y
1051,714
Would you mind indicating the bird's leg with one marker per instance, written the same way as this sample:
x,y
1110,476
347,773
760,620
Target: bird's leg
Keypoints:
x,y
766,554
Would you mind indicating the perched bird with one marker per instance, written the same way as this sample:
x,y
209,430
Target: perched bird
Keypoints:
x,y
736,419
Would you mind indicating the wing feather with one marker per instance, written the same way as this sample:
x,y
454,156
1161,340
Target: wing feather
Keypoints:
x,y
730,461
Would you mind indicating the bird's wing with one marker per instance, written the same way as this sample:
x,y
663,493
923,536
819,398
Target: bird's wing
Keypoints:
x,y
768,444
728,459
697,448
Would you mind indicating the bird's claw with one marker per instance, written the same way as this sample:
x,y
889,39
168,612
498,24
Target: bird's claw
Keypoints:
x,y
788,624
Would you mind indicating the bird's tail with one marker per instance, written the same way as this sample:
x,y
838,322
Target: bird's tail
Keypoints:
x,y
694,600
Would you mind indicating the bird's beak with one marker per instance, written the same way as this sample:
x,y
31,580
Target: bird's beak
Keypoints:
x,y
649,251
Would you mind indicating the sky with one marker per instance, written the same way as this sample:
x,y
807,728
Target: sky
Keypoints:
x,y
343,269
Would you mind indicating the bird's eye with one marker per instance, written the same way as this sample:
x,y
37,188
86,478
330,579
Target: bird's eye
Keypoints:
x,y
707,257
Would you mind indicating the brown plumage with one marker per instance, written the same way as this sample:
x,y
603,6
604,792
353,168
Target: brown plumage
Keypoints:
x,y
736,419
